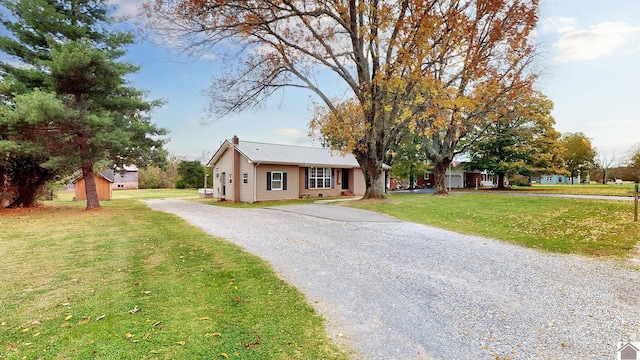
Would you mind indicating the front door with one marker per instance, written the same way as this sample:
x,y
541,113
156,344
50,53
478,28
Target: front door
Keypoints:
x,y
345,179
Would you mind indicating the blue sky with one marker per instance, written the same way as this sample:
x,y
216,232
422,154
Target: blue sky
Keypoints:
x,y
589,57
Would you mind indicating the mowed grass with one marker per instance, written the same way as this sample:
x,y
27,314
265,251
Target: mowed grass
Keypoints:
x,y
124,282
67,195
597,228
625,189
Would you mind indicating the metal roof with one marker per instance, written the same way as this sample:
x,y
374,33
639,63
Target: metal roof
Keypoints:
x,y
290,154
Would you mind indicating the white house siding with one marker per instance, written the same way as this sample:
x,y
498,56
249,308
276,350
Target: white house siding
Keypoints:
x,y
292,192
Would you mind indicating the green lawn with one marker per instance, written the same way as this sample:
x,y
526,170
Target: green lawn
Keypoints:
x,y
580,189
596,228
124,282
67,195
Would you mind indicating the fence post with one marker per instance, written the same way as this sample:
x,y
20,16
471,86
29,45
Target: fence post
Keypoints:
x,y
635,203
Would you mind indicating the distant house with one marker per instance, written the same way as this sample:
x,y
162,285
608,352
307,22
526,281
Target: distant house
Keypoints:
x,y
248,172
103,187
123,179
456,177
557,179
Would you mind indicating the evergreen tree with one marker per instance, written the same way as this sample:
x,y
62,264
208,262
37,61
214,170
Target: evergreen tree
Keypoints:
x,y
69,60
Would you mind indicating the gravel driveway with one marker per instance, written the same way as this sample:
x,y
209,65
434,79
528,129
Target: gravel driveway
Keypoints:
x,y
398,290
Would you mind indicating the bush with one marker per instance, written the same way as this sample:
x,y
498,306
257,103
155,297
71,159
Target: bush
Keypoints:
x,y
519,180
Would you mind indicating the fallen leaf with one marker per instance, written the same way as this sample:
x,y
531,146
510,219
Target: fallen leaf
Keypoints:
x,y
26,330
204,318
134,310
145,292
224,355
68,317
237,298
128,335
146,336
84,321
100,317
181,342
64,324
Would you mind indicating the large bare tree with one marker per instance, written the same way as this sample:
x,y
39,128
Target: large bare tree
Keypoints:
x,y
382,51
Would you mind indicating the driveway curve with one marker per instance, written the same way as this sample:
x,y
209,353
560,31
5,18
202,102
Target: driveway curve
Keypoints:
x,y
398,290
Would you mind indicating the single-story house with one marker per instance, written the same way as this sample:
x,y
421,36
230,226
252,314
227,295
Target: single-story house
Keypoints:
x,y
558,179
245,171
456,177
123,179
103,187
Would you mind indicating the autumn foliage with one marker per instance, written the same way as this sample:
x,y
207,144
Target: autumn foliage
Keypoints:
x,y
434,67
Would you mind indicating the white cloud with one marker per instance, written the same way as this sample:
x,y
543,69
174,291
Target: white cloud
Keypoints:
x,y
595,42
560,24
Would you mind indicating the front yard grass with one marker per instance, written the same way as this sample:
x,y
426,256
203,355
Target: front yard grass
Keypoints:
x,y
625,189
597,228
124,282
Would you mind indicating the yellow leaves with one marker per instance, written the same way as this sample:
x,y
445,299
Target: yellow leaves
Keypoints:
x,y
128,335
224,355
214,334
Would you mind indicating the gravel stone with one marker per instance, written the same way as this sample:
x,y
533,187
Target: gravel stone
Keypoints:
x,y
398,290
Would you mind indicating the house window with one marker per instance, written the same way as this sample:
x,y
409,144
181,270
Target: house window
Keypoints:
x,y
276,180
320,178
549,178
245,178
230,178
217,173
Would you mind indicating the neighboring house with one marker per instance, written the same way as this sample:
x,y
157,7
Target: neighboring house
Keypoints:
x,y
457,178
557,179
249,172
103,186
124,179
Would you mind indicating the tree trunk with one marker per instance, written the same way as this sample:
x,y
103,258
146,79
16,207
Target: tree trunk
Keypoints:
x,y
26,197
501,181
411,180
373,181
440,178
90,185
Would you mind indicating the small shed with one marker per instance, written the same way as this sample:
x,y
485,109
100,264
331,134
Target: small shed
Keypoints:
x,y
103,186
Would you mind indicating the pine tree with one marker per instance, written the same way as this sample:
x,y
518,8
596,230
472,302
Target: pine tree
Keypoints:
x,y
69,60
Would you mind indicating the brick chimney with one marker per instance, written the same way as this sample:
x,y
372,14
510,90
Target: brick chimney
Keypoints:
x,y
235,140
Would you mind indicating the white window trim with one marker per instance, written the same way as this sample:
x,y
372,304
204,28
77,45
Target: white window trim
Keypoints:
x,y
273,181
245,178
327,174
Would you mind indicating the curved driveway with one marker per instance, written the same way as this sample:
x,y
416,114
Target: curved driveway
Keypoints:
x,y
398,290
